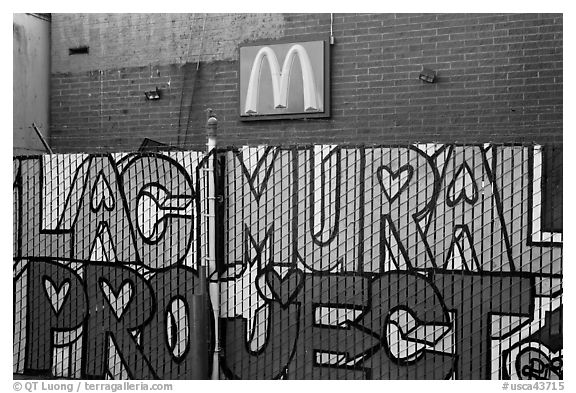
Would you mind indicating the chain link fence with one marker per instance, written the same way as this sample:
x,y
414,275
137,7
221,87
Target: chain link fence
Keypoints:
x,y
424,261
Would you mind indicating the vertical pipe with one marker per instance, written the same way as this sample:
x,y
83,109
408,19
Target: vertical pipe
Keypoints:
x,y
198,326
331,29
214,287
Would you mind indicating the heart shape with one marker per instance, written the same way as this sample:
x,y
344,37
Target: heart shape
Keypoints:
x,y
462,186
394,182
101,194
284,289
56,294
118,300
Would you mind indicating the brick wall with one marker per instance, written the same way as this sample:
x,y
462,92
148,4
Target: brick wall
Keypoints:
x,y
132,40
500,79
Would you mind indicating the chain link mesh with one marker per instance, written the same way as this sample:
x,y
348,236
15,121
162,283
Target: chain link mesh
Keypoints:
x,y
425,261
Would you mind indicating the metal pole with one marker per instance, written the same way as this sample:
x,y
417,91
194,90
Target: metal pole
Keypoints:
x,y
46,146
198,324
214,287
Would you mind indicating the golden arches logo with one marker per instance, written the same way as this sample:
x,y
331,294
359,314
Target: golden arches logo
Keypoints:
x,y
281,79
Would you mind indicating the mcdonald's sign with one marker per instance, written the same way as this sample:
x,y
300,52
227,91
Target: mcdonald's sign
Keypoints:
x,y
284,80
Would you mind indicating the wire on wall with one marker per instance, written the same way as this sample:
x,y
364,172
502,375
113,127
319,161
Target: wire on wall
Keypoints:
x,y
201,42
195,79
179,142
101,92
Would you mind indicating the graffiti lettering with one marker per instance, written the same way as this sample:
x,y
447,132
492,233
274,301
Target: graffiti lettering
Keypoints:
x,y
395,262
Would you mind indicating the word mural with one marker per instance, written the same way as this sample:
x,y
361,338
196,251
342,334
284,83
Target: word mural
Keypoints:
x,y
105,270
415,262
424,261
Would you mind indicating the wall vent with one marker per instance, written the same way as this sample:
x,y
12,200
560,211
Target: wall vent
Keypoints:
x,y
81,50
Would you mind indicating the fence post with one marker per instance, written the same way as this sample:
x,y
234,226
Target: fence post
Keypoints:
x,y
198,329
214,287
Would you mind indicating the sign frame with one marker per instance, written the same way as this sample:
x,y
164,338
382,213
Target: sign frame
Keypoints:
x,y
325,113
